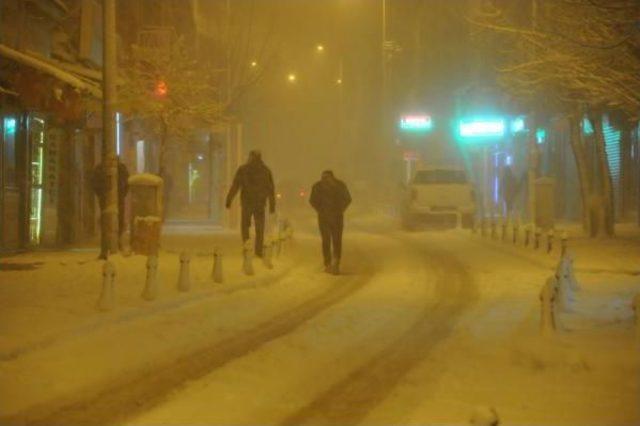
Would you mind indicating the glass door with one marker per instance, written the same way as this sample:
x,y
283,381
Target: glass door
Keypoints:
x,y
37,140
9,192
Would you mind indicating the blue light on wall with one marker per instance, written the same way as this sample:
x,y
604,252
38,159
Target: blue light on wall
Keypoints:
x,y
587,128
493,128
518,125
541,136
10,125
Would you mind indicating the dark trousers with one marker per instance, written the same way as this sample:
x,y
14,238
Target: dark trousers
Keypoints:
x,y
258,219
331,232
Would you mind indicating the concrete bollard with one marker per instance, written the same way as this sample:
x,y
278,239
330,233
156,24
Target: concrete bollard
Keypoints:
x,y
536,238
484,416
483,227
494,230
516,231
636,309
564,237
550,235
527,235
564,294
247,258
547,307
184,282
150,291
504,224
565,270
106,302
267,254
216,272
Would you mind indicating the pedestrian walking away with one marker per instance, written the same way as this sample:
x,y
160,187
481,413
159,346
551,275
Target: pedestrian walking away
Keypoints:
x,y
100,183
255,183
330,198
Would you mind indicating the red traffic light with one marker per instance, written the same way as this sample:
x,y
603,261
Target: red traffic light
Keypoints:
x,y
161,89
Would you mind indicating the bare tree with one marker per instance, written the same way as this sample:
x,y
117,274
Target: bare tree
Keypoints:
x,y
172,92
579,53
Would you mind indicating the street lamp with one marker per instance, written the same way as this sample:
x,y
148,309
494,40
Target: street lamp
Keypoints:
x,y
254,64
339,81
320,48
291,77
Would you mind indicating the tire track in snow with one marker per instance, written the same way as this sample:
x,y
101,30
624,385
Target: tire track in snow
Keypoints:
x,y
133,395
350,400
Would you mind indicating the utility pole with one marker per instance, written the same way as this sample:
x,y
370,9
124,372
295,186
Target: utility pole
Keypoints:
x,y
109,220
532,142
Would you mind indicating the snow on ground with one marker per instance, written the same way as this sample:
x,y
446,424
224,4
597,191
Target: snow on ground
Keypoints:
x,y
421,329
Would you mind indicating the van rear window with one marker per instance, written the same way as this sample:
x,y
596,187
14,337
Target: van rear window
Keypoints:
x,y
440,176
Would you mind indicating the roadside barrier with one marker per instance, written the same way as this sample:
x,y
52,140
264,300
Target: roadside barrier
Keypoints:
x,y
504,225
106,301
247,258
150,291
494,231
267,253
527,235
184,282
564,239
547,306
516,231
550,236
216,272
537,235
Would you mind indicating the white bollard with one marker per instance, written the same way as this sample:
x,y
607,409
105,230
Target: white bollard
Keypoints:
x,y
277,245
527,235
150,291
267,254
107,296
568,273
536,241
247,258
216,273
636,309
484,416
184,283
547,305
564,238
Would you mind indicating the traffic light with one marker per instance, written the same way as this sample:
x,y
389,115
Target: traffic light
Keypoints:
x,y
161,89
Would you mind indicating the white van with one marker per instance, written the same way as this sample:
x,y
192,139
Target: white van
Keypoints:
x,y
439,195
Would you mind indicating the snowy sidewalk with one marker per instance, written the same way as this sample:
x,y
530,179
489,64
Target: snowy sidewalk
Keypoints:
x,y
618,255
48,312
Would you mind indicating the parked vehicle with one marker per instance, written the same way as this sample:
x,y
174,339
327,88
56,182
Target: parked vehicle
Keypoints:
x,y
439,196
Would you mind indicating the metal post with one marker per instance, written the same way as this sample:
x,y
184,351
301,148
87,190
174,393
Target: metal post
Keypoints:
x,y
109,159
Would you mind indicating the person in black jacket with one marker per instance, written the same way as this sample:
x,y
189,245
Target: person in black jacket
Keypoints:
x,y
100,183
255,183
330,198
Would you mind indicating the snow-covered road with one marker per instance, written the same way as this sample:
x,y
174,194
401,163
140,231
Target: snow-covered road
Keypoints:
x,y
420,329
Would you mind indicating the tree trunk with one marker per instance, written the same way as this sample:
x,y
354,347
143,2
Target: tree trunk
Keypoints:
x,y
606,184
584,177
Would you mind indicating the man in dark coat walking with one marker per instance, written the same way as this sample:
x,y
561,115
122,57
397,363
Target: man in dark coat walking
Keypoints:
x,y
330,198
100,183
255,183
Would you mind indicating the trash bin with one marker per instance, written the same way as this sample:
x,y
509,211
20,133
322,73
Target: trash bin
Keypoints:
x,y
545,202
146,212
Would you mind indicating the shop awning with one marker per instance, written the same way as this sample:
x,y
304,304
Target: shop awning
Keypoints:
x,y
48,68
